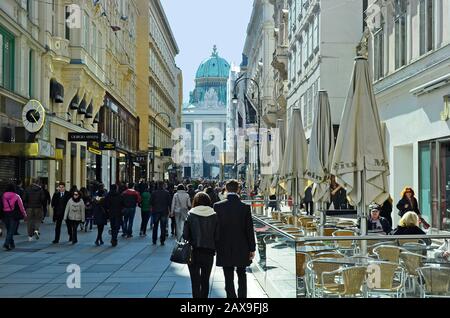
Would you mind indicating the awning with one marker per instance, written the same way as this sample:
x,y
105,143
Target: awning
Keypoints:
x,y
82,107
97,118
74,102
56,91
89,111
39,150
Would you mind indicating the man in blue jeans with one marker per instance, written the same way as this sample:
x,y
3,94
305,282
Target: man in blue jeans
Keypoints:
x,y
131,198
161,205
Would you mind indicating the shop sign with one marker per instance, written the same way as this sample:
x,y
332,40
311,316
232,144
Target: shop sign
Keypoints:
x,y
108,145
46,149
85,137
141,158
94,147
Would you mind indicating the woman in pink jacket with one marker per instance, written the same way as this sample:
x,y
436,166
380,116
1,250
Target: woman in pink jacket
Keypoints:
x,y
9,202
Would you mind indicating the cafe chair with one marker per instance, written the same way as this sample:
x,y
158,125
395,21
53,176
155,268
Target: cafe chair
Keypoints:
x,y
419,248
436,282
311,229
385,278
328,231
301,259
346,246
345,224
412,262
313,275
388,253
329,255
350,281
372,244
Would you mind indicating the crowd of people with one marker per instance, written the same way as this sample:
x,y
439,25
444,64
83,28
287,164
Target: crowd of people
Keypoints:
x,y
210,215
198,213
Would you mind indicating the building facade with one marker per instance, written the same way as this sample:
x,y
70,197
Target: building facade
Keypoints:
x,y
410,54
321,53
80,54
159,95
204,119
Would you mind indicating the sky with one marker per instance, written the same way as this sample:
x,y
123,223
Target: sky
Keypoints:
x,y
199,24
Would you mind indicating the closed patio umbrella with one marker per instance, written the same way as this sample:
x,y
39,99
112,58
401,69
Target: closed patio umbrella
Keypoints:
x,y
266,163
278,143
360,163
321,150
293,167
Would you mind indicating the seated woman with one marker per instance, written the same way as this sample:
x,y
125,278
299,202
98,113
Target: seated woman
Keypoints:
x,y
409,225
376,222
443,251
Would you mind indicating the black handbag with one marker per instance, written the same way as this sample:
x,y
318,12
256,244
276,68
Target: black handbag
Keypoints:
x,y
182,253
16,213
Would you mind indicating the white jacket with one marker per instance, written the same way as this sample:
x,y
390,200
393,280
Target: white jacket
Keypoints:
x,y
75,211
181,201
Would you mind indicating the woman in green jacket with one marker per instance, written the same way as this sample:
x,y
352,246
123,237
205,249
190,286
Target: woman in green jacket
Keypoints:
x,y
145,211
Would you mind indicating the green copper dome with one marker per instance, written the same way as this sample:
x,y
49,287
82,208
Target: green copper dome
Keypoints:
x,y
214,66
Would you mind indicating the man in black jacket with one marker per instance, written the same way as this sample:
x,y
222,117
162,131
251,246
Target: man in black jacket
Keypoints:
x,y
34,200
236,246
161,204
114,208
59,202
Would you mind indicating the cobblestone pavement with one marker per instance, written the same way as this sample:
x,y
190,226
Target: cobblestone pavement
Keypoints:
x,y
133,269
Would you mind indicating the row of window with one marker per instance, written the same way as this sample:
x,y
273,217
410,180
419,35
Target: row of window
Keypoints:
x,y
306,104
158,103
305,48
157,67
158,36
8,64
401,20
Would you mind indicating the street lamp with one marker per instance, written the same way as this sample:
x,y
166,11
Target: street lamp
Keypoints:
x,y
235,101
154,140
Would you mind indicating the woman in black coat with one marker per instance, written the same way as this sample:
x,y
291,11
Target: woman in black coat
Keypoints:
x,y
408,202
99,213
114,205
201,230
409,225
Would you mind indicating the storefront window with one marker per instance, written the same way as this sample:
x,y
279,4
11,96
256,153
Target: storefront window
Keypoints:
x,y
434,173
91,166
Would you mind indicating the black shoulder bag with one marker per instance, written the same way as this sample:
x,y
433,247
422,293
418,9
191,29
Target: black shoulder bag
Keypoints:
x,y
182,253
16,213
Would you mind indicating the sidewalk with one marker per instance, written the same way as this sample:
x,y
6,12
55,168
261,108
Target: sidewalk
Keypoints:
x,y
134,269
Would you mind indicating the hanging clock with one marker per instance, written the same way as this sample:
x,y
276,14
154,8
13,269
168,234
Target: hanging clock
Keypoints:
x,y
33,116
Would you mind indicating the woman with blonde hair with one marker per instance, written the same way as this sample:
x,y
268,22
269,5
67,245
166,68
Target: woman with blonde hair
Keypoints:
x,y
409,225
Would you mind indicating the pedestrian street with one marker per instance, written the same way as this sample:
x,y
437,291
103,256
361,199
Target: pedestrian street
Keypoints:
x,y
133,269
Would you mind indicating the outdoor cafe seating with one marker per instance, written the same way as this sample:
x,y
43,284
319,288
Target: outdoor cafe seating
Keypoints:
x,y
336,264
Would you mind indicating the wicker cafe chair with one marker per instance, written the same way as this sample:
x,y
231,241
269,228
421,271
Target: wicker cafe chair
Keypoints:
x,y
345,223
314,270
329,255
386,278
304,220
328,231
372,244
276,215
347,245
437,281
301,259
311,228
350,281
412,262
388,253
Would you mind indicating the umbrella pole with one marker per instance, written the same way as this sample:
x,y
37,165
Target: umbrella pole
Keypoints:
x,y
363,217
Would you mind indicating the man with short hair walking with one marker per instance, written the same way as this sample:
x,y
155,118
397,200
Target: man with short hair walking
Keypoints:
x,y
131,198
34,200
236,246
161,204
